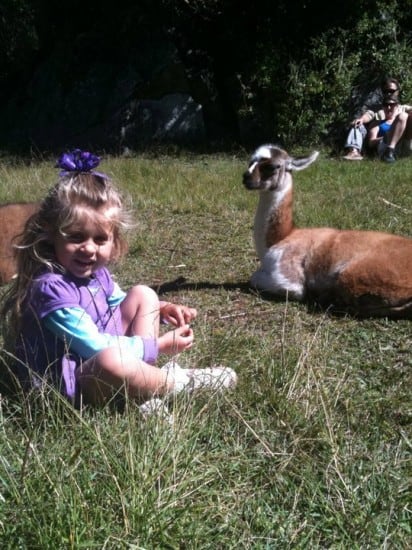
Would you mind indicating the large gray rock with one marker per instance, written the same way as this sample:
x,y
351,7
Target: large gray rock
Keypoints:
x,y
173,118
144,99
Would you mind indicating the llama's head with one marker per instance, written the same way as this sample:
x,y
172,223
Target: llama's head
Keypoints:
x,y
268,166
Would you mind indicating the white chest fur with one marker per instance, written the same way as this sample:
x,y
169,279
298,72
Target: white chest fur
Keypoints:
x,y
267,213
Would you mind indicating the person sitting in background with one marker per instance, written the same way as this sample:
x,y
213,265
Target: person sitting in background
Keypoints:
x,y
390,89
398,139
380,132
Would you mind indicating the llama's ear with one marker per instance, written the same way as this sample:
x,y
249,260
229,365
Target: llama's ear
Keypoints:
x,y
302,162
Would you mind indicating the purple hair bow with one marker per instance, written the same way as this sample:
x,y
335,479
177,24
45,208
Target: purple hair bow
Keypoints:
x,y
78,161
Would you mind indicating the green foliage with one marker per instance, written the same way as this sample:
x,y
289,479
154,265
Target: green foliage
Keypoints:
x,y
312,450
337,63
284,70
18,37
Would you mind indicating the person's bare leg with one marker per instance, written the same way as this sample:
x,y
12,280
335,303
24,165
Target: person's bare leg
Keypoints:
x,y
407,138
141,312
397,130
408,129
113,370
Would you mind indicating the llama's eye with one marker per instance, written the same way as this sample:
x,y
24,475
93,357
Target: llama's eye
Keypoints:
x,y
267,170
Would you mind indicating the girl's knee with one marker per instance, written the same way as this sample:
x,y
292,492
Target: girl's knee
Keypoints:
x,y
139,297
144,293
140,311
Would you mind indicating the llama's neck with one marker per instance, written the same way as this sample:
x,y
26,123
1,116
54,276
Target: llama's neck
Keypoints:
x,y
274,219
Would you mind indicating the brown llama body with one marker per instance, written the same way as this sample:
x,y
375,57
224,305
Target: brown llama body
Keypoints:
x,y
13,216
365,273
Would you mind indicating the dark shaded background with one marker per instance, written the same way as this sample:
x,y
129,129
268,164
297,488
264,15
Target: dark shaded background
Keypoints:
x,y
82,74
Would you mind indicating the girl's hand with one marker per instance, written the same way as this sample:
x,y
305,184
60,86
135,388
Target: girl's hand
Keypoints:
x,y
177,314
176,340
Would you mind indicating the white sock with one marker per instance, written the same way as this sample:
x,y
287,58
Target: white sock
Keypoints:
x,y
176,374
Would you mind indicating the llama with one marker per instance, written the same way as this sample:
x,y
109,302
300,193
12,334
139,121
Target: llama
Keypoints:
x,y
364,273
13,216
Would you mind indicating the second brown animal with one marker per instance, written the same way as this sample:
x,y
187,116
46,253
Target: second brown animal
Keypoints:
x,y
13,216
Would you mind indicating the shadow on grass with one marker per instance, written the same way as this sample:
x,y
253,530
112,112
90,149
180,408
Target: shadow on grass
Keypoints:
x,y
312,304
181,284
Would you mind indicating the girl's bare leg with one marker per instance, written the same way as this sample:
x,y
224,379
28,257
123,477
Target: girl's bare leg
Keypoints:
x,y
112,371
141,312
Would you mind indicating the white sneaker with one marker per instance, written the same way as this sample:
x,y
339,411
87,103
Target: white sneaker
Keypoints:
x,y
211,378
214,378
156,408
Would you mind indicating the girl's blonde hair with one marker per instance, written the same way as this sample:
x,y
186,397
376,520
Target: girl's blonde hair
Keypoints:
x,y
73,197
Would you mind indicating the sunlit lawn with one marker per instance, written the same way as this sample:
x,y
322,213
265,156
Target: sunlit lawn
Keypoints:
x,y
313,448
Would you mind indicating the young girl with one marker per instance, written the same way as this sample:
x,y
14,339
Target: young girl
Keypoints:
x,y
70,324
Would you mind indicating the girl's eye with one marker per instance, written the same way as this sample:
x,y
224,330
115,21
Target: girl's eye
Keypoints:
x,y
101,240
75,238
78,238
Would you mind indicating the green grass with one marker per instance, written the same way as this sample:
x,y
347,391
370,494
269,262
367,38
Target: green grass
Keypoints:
x,y
313,448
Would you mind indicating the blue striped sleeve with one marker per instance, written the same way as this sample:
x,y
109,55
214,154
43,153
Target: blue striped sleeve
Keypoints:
x,y
77,329
117,296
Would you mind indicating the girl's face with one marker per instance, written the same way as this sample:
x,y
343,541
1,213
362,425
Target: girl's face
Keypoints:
x,y
85,247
